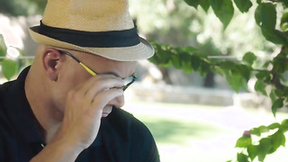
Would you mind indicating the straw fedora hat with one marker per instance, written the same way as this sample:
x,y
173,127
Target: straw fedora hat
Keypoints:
x,y
101,27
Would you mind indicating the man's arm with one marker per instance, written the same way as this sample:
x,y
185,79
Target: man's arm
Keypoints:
x,y
58,151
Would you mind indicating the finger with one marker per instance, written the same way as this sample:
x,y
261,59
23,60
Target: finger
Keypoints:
x,y
103,85
96,81
104,97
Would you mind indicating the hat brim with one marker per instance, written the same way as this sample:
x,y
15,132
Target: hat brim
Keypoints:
x,y
143,50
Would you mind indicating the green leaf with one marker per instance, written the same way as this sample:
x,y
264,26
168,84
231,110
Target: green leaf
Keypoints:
x,y
245,71
205,5
193,3
266,64
260,87
195,62
204,68
285,2
216,4
227,65
277,105
284,21
263,129
259,130
3,47
278,93
279,63
243,5
236,75
259,1
9,68
265,16
219,71
164,54
235,80
242,157
264,147
284,27
223,9
261,75
244,141
249,58
255,131
186,63
272,96
274,126
269,16
274,36
176,61
189,49
277,139
252,151
155,58
257,15
284,125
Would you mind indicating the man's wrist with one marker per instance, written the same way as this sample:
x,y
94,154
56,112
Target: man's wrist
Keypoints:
x,y
60,150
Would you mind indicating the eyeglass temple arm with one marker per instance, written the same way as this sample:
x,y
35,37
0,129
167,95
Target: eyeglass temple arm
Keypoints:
x,y
84,66
88,69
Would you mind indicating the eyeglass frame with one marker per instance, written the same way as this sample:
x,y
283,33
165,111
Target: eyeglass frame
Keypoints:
x,y
93,73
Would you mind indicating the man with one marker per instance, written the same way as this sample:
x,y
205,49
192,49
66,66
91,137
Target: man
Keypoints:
x,y
65,107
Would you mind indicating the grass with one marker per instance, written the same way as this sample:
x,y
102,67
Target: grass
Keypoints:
x,y
194,133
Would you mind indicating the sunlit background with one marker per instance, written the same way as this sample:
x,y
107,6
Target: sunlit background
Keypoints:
x,y
193,118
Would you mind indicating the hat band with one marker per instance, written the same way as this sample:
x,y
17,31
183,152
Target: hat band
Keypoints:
x,y
121,38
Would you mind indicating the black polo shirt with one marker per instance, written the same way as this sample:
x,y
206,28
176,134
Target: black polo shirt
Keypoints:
x,y
121,138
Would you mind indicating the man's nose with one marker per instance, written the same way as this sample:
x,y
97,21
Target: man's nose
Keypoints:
x,y
117,102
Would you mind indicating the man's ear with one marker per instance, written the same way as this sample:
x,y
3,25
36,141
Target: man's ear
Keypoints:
x,y
52,60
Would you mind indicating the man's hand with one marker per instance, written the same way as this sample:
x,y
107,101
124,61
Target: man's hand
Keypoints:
x,y
84,105
82,117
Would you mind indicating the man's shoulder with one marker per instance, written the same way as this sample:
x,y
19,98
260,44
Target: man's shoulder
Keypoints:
x,y
4,94
141,142
124,121
121,116
5,124
4,88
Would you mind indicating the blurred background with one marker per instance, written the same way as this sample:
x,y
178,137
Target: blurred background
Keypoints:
x,y
194,118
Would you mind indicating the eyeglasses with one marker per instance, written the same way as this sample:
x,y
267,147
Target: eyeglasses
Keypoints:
x,y
128,81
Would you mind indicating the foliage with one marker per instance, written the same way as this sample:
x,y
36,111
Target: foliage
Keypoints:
x,y
271,138
9,67
271,80
23,7
175,23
